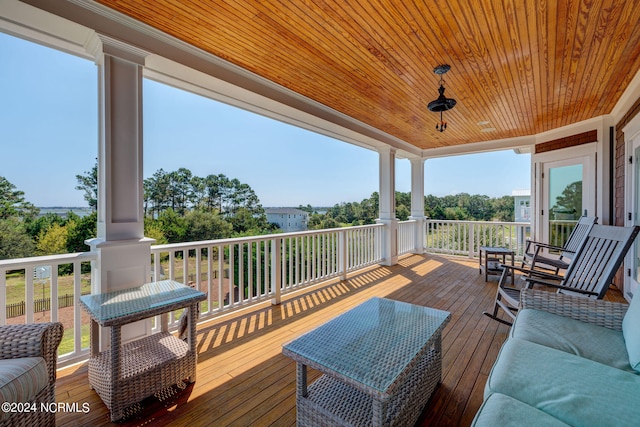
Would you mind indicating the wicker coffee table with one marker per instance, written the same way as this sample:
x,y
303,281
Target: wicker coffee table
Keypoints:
x,y
126,374
381,361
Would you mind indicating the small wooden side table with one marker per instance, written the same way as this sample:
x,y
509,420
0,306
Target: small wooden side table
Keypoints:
x,y
493,257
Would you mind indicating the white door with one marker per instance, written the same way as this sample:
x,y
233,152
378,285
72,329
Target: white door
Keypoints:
x,y
632,261
568,192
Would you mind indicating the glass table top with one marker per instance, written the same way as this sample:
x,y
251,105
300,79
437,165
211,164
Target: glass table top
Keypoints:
x,y
129,302
372,343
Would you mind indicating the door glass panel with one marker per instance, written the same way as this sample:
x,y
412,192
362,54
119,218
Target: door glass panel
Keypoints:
x,y
565,201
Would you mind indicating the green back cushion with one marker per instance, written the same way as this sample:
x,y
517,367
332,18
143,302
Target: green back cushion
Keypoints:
x,y
631,332
572,336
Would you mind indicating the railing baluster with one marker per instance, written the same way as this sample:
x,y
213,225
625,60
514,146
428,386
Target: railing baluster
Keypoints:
x,y
198,279
220,277
3,296
232,275
276,274
268,267
307,269
185,266
77,315
241,276
210,277
53,293
172,259
29,294
296,265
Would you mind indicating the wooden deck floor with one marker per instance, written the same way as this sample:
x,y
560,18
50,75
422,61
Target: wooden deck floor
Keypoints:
x,y
244,380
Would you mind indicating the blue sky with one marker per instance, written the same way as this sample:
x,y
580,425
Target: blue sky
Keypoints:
x,y
48,135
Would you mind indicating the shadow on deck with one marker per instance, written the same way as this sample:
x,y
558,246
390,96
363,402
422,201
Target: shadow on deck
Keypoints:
x,y
244,380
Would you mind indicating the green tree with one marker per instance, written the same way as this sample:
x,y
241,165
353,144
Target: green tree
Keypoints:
x,y
12,202
503,208
42,223
242,196
84,228
213,192
403,199
315,221
53,240
14,240
173,226
88,183
244,223
570,200
402,213
202,225
369,209
456,213
153,229
180,190
329,223
156,193
308,208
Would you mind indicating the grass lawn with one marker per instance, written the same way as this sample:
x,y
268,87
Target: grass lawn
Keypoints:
x,y
66,346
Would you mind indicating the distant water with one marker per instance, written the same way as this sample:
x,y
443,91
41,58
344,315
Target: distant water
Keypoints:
x,y
64,211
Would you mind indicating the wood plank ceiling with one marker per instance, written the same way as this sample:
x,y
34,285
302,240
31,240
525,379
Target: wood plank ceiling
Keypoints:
x,y
524,67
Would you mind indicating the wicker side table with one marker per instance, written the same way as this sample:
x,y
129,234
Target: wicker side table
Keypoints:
x,y
381,361
126,374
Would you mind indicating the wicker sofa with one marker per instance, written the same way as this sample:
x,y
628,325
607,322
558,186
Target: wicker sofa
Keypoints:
x,y
568,361
28,356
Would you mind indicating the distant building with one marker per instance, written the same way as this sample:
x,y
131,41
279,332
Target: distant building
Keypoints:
x,y
522,213
522,205
288,219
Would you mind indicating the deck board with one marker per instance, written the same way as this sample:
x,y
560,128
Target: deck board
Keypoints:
x,y
243,379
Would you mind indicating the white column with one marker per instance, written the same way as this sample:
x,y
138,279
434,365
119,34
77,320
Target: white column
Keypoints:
x,y
123,252
417,202
387,206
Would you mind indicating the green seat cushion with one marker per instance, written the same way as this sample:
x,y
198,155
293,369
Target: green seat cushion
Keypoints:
x,y
21,380
505,411
572,336
575,390
631,332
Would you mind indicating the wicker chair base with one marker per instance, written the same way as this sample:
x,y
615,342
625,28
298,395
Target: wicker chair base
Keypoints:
x,y
41,416
333,402
34,340
148,365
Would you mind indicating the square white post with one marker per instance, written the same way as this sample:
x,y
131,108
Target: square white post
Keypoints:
x,y
417,203
124,254
387,208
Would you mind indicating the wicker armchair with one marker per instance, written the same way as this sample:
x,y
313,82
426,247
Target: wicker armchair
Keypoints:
x,y
33,340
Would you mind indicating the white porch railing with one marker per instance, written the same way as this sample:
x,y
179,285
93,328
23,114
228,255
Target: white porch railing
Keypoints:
x,y
406,236
234,273
49,296
238,272
466,237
